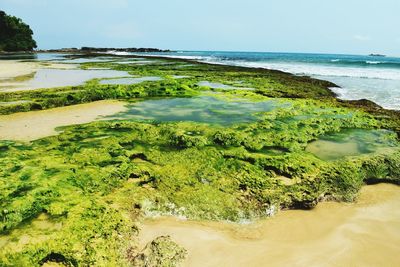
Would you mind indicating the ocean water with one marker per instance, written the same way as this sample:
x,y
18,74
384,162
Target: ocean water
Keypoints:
x,y
370,77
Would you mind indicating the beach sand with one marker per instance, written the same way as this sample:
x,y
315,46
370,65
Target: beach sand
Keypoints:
x,y
333,234
28,126
15,74
12,68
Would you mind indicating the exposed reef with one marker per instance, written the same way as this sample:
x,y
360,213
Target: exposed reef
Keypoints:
x,y
185,150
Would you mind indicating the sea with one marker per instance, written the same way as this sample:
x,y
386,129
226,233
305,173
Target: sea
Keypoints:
x,y
372,77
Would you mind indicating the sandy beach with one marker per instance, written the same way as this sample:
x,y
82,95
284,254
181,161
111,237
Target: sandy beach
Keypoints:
x,y
10,69
333,234
20,76
28,126
15,75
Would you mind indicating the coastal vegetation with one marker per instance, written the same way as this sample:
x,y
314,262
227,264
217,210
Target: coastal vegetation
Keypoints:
x,y
15,35
77,198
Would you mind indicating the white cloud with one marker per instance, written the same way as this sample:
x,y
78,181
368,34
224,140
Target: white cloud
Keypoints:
x,y
361,38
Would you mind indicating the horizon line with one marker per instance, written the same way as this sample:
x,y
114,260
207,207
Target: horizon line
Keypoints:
x,y
240,51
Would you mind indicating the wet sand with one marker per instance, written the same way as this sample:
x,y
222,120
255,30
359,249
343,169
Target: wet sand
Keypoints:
x,y
28,126
16,73
12,68
366,233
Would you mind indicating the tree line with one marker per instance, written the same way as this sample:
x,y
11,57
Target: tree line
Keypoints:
x,y
15,35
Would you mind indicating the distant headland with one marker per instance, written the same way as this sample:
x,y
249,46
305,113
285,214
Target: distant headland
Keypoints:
x,y
377,55
86,49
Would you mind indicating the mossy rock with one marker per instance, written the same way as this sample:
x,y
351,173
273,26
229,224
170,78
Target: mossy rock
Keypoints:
x,y
161,252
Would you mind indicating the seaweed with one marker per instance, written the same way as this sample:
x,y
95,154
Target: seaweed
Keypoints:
x,y
94,182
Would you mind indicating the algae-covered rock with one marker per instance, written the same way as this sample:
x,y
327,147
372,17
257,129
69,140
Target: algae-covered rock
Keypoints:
x,y
94,180
161,252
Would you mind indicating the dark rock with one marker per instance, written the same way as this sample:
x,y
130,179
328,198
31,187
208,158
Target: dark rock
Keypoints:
x,y
86,49
305,204
55,257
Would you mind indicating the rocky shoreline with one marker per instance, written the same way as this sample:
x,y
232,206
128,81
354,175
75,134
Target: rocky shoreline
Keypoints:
x,y
86,49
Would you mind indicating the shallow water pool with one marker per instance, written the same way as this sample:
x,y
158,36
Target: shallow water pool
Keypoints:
x,y
79,60
48,78
221,86
206,109
131,80
352,142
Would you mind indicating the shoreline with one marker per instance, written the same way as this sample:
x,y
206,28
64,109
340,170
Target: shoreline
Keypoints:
x,y
368,104
364,104
130,168
371,105
333,234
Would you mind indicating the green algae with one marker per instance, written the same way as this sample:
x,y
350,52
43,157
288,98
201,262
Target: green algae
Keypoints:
x,y
39,229
265,82
91,176
234,156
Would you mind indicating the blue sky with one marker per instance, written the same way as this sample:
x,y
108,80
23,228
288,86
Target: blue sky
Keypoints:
x,y
329,26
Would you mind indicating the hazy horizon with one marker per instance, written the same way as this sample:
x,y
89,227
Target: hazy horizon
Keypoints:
x,y
312,26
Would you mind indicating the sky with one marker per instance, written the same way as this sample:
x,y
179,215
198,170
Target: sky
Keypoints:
x,y
322,26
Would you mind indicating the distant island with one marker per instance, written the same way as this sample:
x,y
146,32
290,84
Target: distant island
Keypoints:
x,y
377,55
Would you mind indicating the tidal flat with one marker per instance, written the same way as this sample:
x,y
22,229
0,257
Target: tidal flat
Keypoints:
x,y
56,75
127,152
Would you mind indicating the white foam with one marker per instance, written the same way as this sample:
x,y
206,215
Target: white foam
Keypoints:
x,y
380,85
322,70
118,53
199,58
373,62
383,92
